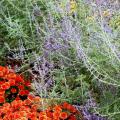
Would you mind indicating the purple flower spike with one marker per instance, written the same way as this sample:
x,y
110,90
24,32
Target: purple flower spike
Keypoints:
x,y
99,2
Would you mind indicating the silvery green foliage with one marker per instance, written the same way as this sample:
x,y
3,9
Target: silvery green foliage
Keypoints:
x,y
41,72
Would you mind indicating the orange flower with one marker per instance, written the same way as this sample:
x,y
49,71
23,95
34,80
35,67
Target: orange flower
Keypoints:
x,y
2,93
47,118
34,107
49,114
21,87
63,115
6,105
4,70
32,115
20,102
1,82
25,108
56,114
42,115
26,92
1,68
1,74
37,99
31,97
14,103
17,104
23,113
69,107
5,109
13,90
23,92
65,105
44,118
27,102
2,99
57,108
16,115
11,76
5,86
27,84
17,98
12,82
19,79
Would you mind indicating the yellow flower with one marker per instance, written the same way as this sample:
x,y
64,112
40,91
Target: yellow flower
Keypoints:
x,y
115,22
106,13
90,18
73,6
118,23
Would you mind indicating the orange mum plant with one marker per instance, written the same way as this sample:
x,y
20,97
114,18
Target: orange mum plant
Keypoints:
x,y
30,109
12,86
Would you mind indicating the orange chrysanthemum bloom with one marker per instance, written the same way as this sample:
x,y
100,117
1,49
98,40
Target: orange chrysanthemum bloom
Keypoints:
x,y
13,90
63,115
42,115
12,82
57,108
1,74
16,116
21,87
31,97
6,105
5,86
3,71
2,93
49,114
56,114
17,104
27,102
23,113
32,115
23,92
34,107
27,109
69,107
65,105
11,76
2,99
19,79
37,99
